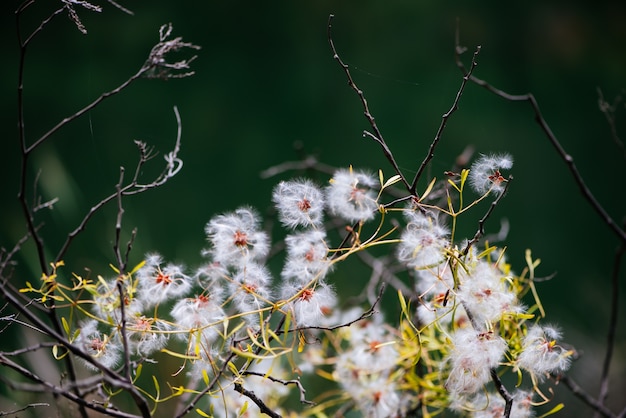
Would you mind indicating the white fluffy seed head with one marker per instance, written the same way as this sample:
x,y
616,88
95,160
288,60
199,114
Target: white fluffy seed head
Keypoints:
x,y
351,196
236,239
299,203
485,174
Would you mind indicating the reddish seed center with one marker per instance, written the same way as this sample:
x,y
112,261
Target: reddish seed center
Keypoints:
x,y
496,177
143,324
304,205
357,194
377,396
485,335
374,345
97,344
241,239
250,288
163,278
310,255
307,294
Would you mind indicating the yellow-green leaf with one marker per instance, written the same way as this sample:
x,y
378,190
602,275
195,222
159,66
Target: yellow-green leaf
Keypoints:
x,y
178,355
464,174
553,410
137,267
402,301
65,325
138,371
202,413
428,189
243,409
392,180
156,384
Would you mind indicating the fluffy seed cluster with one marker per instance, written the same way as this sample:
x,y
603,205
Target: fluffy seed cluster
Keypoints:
x,y
466,300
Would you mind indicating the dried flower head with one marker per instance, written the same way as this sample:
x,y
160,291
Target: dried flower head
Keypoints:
x,y
485,174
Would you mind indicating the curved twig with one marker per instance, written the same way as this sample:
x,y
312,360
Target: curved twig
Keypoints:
x,y
377,135
567,158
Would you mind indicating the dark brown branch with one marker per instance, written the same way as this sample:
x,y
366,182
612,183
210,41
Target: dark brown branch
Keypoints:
x,y
207,389
173,166
264,409
111,376
283,382
444,120
24,408
377,135
610,343
508,399
118,227
568,159
64,392
481,224
585,397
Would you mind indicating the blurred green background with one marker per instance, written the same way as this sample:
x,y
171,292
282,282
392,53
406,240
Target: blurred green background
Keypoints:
x,y
267,90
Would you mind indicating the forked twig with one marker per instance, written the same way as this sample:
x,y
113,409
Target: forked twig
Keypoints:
x,y
444,120
377,135
567,158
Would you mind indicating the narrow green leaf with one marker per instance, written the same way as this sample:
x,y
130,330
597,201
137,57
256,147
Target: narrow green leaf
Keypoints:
x,y
65,325
243,409
202,413
156,384
553,410
391,181
428,189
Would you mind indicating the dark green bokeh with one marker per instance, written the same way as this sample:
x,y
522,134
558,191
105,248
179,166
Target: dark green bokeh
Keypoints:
x,y
265,79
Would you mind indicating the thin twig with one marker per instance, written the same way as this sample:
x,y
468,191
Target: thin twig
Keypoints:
x,y
444,120
610,343
284,382
481,224
377,136
585,397
118,226
264,409
201,394
64,392
508,399
24,408
567,158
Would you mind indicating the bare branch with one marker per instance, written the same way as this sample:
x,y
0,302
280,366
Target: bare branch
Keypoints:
x,y
481,224
377,135
585,397
284,382
173,166
64,392
568,159
24,408
610,343
264,409
508,399
444,121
